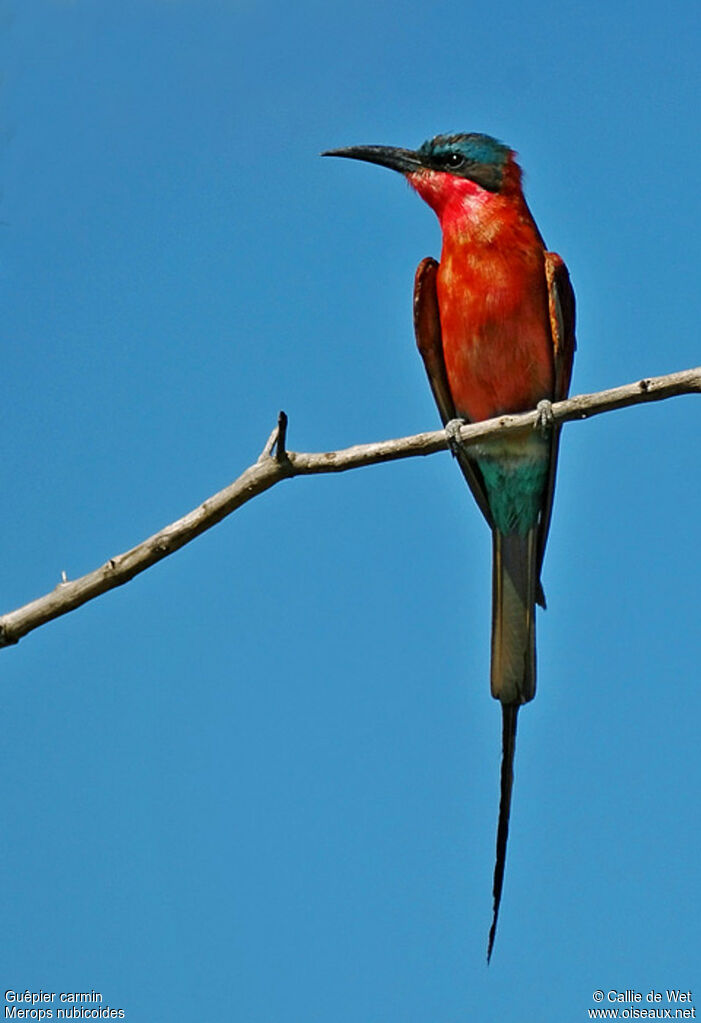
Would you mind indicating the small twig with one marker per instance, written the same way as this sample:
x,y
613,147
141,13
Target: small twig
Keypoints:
x,y
280,447
269,470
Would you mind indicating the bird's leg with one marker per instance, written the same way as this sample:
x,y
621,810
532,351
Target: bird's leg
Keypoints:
x,y
545,420
452,429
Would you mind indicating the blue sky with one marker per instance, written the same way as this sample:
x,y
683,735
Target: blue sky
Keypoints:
x,y
260,782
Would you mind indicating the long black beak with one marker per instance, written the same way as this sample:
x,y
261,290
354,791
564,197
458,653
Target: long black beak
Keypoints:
x,y
406,161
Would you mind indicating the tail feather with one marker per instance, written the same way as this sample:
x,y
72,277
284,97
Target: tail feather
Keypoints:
x,y
515,590
508,746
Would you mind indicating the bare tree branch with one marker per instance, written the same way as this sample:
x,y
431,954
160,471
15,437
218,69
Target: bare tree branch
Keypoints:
x,y
276,463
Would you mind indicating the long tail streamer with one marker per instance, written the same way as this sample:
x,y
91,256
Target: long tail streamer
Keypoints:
x,y
508,746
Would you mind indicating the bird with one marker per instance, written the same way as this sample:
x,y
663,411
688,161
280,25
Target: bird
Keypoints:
x,y
495,326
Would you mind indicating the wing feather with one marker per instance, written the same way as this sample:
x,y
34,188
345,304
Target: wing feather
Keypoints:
x,y
561,306
427,327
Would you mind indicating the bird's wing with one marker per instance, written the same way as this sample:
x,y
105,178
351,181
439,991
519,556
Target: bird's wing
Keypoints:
x,y
562,316
427,327
561,306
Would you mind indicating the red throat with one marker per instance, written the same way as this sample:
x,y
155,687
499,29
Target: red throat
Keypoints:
x,y
459,201
448,196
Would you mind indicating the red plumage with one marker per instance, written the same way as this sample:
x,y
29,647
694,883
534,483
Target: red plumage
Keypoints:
x,y
492,295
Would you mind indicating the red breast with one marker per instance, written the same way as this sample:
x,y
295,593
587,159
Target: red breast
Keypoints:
x,y
492,295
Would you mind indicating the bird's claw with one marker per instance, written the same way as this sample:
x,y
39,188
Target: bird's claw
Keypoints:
x,y
545,420
452,429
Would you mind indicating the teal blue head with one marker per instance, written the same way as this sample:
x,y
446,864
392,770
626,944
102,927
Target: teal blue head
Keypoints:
x,y
479,158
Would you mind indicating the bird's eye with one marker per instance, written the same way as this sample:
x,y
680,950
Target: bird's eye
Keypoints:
x,y
452,160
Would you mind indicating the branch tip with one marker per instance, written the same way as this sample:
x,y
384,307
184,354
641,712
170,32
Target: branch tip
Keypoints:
x,y
281,438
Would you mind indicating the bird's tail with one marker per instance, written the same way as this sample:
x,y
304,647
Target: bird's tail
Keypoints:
x,y
515,572
514,581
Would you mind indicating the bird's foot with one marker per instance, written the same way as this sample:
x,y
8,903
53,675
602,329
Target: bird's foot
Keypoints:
x,y
452,429
545,420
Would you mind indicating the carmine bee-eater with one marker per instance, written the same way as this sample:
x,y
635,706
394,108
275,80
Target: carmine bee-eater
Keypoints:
x,y
494,324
